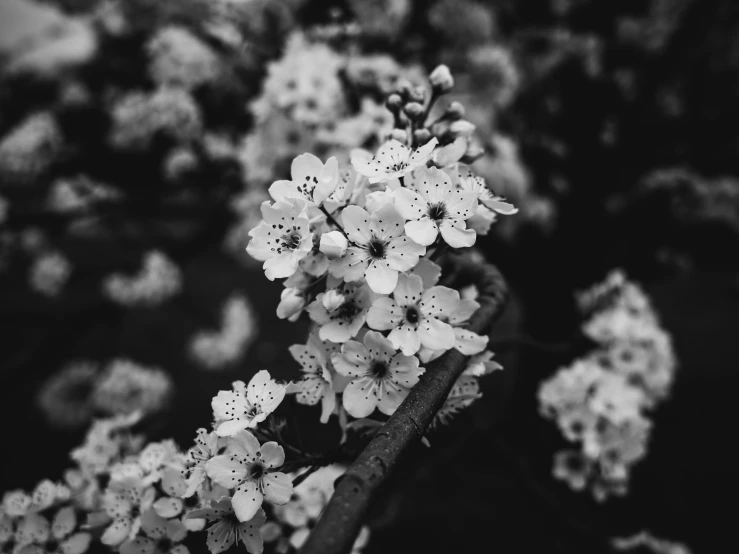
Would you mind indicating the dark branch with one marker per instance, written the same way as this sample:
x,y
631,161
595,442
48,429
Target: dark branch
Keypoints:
x,y
355,491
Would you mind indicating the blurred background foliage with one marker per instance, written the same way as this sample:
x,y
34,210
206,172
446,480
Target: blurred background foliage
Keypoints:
x,y
128,128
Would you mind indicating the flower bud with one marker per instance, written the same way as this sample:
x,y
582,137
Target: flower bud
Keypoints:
x,y
455,111
421,136
461,128
441,79
332,299
394,102
414,110
417,94
333,245
399,134
291,304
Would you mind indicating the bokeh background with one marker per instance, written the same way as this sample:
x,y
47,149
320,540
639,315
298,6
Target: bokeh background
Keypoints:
x,y
137,139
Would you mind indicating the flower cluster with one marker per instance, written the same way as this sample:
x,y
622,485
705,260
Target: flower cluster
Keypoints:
x,y
72,396
356,248
602,400
158,279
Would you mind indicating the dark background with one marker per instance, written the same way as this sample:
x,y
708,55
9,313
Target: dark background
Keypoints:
x,y
485,484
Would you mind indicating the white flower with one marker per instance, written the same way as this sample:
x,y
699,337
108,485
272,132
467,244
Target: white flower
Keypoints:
x,y
345,320
312,180
245,407
381,378
225,529
249,468
123,501
393,160
334,244
282,239
465,341
436,208
206,446
16,503
316,384
415,316
379,248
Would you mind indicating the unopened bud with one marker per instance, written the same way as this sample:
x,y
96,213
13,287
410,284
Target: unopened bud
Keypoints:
x,y
461,128
421,136
455,111
291,304
332,299
418,94
414,110
441,79
333,245
399,134
394,102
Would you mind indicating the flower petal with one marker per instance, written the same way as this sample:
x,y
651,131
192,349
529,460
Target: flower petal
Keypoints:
x,y
352,266
247,500
406,339
353,361
272,454
64,523
410,204
244,446
379,347
381,278
409,290
468,342
456,235
357,224
76,544
226,470
387,223
360,397
436,334
403,253
168,507
283,265
384,314
278,487
221,537
264,392
461,204
439,302
423,231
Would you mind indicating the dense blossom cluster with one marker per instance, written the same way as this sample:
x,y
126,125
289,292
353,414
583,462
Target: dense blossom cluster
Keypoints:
x,y
602,401
158,279
356,246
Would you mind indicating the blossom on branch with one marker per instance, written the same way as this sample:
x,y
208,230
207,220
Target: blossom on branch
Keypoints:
x,y
246,406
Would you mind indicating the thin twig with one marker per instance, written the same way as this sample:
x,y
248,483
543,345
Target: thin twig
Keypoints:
x,y
333,221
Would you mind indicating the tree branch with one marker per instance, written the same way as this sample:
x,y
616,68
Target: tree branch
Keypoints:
x,y
355,491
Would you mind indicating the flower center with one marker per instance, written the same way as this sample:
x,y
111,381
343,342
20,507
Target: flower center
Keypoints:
x,y
376,248
291,240
412,315
348,310
256,471
379,369
437,212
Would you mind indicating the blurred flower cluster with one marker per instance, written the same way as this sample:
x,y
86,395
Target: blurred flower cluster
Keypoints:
x,y
602,401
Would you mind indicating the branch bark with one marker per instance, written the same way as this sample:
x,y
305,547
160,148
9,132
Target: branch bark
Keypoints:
x,y
355,491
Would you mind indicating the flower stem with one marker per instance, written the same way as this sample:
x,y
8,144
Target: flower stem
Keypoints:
x,y
333,221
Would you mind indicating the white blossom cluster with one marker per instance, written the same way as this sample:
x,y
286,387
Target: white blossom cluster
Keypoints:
x,y
180,58
355,248
139,116
602,401
30,147
79,391
306,104
158,280
219,349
